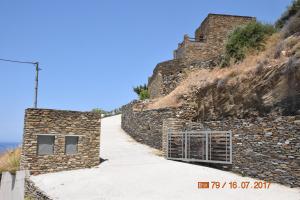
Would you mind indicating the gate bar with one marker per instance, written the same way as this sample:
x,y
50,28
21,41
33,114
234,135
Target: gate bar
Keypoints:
x,y
185,145
186,139
230,134
206,146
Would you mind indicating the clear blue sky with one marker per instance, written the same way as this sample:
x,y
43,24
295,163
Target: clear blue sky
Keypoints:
x,y
93,52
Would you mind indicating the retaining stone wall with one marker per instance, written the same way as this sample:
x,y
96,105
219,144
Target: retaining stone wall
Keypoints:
x,y
265,148
177,125
145,126
33,192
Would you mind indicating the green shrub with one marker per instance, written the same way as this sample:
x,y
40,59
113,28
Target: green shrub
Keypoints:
x,y
142,91
144,94
98,110
139,88
250,37
291,11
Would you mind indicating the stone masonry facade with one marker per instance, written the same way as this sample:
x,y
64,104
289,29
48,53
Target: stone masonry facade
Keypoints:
x,y
267,147
145,126
177,125
210,37
34,192
203,51
60,124
167,75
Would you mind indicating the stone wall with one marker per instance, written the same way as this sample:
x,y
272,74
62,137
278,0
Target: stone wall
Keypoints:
x,y
33,192
192,50
266,148
155,85
177,125
216,27
59,123
167,75
210,37
201,52
145,126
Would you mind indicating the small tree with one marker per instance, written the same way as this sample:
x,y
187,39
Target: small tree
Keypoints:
x,y
144,94
139,88
142,91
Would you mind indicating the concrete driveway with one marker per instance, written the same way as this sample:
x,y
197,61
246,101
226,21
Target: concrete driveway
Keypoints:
x,y
133,171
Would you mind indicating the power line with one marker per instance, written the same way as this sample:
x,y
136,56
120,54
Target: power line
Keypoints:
x,y
37,69
16,61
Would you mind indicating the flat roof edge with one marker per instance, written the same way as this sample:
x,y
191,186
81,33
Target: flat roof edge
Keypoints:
x,y
229,15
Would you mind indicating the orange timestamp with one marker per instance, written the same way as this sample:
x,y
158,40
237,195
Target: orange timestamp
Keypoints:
x,y
234,185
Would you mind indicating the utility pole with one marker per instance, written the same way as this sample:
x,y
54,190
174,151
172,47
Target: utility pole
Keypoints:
x,y
37,69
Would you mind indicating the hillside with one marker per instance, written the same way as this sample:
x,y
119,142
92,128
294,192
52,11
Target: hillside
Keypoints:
x,y
252,91
263,82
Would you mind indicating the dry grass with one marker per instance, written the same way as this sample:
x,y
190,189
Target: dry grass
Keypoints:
x,y
10,160
234,74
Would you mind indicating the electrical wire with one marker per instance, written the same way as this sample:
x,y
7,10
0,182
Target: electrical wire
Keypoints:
x,y
16,61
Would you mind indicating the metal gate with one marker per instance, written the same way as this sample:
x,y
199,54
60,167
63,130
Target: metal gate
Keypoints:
x,y
200,146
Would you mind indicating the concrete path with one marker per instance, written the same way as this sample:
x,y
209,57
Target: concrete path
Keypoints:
x,y
134,172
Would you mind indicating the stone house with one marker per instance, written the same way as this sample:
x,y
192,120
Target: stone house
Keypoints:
x,y
56,140
210,37
202,51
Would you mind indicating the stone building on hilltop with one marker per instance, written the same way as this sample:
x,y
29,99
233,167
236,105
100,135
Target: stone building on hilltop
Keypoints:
x,y
202,51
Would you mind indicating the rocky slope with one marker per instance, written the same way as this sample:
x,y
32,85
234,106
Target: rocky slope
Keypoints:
x,y
264,83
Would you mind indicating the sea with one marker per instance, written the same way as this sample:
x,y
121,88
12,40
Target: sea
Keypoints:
x,y
4,146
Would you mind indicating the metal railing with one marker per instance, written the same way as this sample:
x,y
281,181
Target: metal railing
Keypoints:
x,y
200,146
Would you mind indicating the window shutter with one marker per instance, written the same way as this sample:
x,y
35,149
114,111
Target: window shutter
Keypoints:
x,y
71,144
45,144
